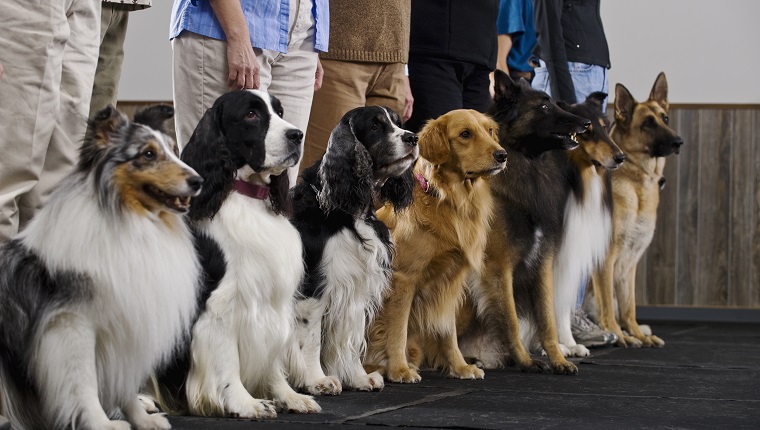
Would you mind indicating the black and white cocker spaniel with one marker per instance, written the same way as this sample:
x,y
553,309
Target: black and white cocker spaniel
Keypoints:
x,y
346,248
252,262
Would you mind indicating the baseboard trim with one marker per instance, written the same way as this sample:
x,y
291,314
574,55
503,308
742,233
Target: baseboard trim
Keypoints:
x,y
690,314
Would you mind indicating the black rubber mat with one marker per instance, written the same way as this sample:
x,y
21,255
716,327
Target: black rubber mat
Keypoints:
x,y
707,376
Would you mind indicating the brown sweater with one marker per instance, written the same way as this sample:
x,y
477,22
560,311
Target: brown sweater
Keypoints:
x,y
373,31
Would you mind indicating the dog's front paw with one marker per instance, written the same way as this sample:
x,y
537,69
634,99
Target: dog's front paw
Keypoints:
x,y
578,351
469,371
327,386
298,403
254,409
651,341
152,422
404,375
564,368
371,382
147,403
535,366
628,342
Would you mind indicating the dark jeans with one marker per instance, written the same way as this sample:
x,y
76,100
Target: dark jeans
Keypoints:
x,y
441,85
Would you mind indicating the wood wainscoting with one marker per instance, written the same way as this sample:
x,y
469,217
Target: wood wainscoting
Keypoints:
x,y
706,249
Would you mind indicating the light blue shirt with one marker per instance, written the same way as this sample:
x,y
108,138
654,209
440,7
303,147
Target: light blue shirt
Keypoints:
x,y
267,22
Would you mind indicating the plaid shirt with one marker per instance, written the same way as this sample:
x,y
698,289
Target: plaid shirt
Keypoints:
x,y
267,22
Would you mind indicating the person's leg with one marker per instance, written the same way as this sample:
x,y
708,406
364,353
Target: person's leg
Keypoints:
x,y
113,31
33,37
436,87
541,79
200,76
344,87
293,73
475,93
389,89
588,78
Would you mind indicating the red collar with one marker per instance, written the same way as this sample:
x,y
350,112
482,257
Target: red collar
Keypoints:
x,y
253,191
423,182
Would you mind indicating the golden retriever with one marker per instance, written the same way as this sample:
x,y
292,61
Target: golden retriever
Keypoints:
x,y
439,240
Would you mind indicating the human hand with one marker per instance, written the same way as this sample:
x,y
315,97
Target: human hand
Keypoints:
x,y
409,102
243,65
318,76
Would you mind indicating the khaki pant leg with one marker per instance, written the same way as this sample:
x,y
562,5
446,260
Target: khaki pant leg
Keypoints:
x,y
80,58
344,87
389,89
200,70
113,31
33,36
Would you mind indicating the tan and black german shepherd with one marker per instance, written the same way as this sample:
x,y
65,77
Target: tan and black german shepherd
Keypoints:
x,y
530,199
642,132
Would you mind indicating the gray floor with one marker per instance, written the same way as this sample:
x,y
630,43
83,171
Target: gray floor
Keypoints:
x,y
707,376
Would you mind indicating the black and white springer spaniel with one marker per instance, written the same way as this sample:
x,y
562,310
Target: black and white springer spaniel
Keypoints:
x,y
252,262
346,248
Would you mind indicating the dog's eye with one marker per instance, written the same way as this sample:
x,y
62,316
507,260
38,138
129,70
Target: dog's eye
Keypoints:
x,y
665,119
149,154
376,126
648,122
465,134
251,115
545,106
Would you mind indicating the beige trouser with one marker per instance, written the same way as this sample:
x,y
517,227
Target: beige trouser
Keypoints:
x,y
348,85
49,50
200,74
113,31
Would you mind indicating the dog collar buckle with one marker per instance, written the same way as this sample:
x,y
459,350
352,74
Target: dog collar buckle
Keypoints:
x,y
423,182
254,191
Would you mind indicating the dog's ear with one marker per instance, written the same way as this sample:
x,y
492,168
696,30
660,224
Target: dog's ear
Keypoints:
x,y
434,141
345,172
207,153
624,103
105,122
399,190
659,91
596,99
279,194
154,116
504,87
100,135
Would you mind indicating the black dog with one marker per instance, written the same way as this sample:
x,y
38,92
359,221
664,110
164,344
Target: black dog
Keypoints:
x,y
530,199
347,249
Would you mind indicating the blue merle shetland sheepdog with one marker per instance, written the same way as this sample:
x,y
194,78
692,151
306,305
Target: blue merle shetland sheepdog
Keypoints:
x,y
100,287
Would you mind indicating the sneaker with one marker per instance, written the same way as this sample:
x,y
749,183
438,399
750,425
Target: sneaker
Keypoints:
x,y
587,333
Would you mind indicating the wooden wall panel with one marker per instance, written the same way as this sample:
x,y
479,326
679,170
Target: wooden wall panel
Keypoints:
x,y
714,135
687,184
741,187
755,197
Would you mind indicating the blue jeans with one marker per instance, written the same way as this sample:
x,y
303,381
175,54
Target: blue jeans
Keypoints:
x,y
587,78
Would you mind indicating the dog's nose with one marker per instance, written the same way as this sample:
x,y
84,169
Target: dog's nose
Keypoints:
x,y
619,158
294,134
410,139
500,155
677,142
195,182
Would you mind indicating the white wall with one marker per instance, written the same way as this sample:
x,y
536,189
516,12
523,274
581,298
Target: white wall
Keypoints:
x,y
708,49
